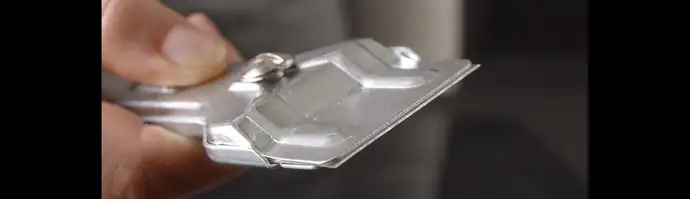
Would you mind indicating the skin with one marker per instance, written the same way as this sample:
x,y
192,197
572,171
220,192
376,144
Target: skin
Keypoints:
x,y
145,41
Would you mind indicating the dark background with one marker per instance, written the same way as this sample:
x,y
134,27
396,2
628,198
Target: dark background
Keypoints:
x,y
518,127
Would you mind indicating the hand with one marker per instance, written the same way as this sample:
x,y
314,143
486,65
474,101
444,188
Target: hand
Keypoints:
x,y
147,42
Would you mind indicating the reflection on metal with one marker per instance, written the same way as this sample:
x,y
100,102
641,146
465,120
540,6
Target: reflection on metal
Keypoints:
x,y
336,101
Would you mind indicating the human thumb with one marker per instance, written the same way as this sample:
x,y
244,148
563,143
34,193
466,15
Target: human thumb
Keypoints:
x,y
147,42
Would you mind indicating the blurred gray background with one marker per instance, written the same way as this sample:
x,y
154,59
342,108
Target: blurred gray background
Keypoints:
x,y
517,128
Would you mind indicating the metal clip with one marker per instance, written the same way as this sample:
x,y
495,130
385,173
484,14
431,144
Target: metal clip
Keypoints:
x,y
315,110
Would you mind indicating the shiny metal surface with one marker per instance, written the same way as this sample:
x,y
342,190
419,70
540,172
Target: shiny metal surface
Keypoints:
x,y
267,66
338,100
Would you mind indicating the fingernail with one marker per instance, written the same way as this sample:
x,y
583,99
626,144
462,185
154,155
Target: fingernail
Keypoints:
x,y
187,45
